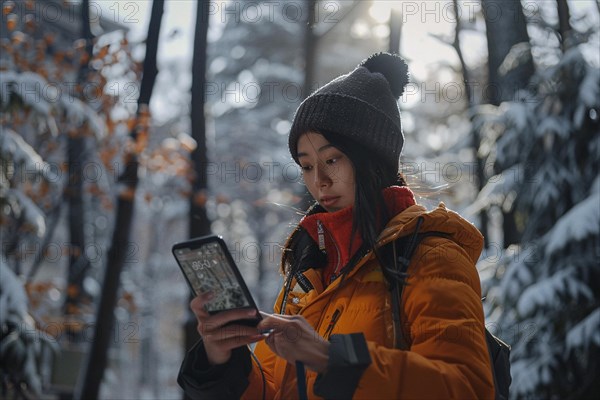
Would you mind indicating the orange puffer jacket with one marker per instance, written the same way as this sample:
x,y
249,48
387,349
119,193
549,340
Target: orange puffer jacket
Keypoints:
x,y
441,312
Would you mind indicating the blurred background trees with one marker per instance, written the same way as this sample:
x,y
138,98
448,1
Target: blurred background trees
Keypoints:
x,y
61,125
501,123
543,145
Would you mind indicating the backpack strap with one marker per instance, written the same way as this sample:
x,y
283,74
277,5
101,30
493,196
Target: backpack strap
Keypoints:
x,y
405,246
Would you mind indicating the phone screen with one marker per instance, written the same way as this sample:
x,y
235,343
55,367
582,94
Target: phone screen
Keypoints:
x,y
207,268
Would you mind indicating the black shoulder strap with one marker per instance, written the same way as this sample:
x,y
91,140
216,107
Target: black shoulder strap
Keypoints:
x,y
406,247
410,247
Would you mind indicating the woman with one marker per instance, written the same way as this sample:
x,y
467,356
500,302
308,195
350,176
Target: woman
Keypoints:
x,y
334,315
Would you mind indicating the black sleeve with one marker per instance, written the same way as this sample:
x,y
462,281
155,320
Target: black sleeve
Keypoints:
x,y
348,358
199,379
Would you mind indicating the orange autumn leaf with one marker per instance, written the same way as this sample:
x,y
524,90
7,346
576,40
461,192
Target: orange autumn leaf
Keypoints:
x,y
49,38
44,188
95,190
200,198
131,123
107,155
30,22
11,22
72,291
128,296
74,251
222,199
97,89
79,44
52,146
7,7
72,309
59,56
127,194
107,204
141,141
103,52
84,59
110,125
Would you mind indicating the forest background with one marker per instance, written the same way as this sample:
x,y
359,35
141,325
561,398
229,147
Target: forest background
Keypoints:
x,y
129,126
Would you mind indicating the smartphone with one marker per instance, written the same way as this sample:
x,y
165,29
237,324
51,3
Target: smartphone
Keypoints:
x,y
207,266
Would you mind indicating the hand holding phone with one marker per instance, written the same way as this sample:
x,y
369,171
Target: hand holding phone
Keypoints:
x,y
209,267
219,334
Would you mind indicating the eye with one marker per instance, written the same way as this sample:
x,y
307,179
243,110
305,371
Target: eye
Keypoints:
x,y
306,168
331,160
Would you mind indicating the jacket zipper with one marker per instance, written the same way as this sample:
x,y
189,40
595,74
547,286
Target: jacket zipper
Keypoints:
x,y
334,319
321,234
320,231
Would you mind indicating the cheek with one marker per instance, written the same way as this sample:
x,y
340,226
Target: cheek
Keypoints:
x,y
348,175
310,185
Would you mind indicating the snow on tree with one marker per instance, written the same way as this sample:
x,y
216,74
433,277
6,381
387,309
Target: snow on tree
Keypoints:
x,y
544,293
24,350
43,105
26,177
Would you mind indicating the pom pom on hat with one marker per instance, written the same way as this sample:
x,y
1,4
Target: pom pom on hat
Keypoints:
x,y
392,67
362,106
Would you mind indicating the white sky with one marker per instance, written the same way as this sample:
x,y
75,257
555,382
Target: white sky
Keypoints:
x,y
421,20
433,18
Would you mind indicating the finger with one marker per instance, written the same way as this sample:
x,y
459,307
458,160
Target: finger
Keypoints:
x,y
229,331
235,342
221,319
278,322
197,304
203,298
270,341
280,316
280,345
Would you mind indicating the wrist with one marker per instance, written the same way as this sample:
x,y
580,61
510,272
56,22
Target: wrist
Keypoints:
x,y
349,357
217,358
321,357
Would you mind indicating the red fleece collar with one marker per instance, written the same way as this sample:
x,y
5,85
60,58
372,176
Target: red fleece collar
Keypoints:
x,y
337,228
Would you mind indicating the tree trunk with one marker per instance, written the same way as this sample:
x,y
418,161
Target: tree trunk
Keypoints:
x,y
309,85
395,31
78,261
564,24
475,139
53,220
97,360
310,43
199,223
506,27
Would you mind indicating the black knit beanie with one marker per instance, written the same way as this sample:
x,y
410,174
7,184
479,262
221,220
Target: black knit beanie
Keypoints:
x,y
361,105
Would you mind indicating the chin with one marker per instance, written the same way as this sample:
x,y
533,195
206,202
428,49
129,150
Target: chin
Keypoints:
x,y
335,208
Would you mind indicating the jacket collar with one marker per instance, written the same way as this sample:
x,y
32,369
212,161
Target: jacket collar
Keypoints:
x,y
332,231
441,219
458,229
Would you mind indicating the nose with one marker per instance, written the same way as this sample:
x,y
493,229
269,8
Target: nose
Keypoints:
x,y
323,175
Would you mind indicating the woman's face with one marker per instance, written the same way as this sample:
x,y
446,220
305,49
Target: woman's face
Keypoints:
x,y
328,173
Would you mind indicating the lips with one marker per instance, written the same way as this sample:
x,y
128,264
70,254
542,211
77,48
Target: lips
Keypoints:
x,y
328,201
